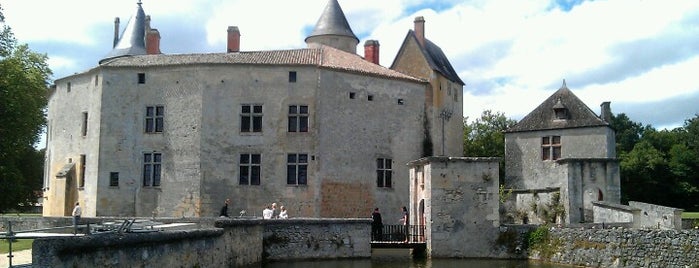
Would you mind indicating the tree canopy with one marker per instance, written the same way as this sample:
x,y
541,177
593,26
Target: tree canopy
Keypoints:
x,y
659,167
485,136
24,77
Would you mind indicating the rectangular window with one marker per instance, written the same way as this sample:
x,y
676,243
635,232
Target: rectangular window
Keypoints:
x,y
298,118
155,117
141,78
370,97
151,169
292,77
551,148
96,80
251,118
250,169
297,169
352,95
68,87
113,178
84,126
383,172
83,160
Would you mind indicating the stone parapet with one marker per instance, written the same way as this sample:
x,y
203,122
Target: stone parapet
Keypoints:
x,y
620,247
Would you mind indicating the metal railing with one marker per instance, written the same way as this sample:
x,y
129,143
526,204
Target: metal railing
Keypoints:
x,y
398,233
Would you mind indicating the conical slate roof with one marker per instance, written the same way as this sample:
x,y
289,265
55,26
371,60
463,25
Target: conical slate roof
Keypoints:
x,y
332,22
543,117
132,40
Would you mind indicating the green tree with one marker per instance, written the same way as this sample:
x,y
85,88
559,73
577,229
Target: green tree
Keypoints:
x,y
485,136
24,76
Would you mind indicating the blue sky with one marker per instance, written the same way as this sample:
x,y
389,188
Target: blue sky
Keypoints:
x,y
642,55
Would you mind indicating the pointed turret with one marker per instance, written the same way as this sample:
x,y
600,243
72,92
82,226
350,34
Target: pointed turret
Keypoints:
x,y
332,29
132,40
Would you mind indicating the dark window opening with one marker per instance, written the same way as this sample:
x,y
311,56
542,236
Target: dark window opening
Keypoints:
x,y
352,95
298,118
68,86
113,178
297,169
155,117
292,77
384,172
84,126
551,148
370,97
251,118
250,169
83,160
152,169
141,78
401,102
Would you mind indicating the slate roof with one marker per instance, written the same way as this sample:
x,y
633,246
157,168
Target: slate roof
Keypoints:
x,y
132,40
323,57
435,57
543,117
332,22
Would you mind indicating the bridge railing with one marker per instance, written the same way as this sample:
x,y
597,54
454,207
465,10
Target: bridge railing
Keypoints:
x,y
398,233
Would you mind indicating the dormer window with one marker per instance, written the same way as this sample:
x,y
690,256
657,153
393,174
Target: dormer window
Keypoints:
x,y
560,112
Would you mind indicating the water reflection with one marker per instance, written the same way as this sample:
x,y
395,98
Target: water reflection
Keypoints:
x,y
400,258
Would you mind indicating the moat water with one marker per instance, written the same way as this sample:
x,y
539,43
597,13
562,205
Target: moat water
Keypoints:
x,y
400,258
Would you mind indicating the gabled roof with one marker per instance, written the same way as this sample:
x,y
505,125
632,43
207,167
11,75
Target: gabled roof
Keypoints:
x,y
323,57
543,117
333,22
435,57
132,40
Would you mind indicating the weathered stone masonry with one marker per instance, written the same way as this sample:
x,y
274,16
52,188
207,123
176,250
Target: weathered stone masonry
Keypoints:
x,y
233,243
622,247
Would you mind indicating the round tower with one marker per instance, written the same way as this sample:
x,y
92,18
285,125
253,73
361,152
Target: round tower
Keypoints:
x,y
332,29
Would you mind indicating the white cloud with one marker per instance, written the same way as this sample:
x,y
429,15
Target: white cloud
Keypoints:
x,y
511,54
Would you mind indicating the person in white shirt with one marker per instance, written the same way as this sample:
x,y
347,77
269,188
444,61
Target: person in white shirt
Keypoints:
x,y
267,213
282,213
77,212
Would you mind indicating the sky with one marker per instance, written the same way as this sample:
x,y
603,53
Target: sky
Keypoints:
x,y
640,55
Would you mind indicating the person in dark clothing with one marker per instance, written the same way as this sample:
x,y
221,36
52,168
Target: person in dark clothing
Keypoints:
x,y
224,209
406,222
376,225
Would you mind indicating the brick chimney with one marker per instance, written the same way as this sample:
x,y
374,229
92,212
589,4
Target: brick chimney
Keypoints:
x,y
153,42
116,32
233,39
371,51
420,30
606,112
152,38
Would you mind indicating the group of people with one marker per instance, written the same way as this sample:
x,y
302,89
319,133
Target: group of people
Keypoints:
x,y
377,224
270,211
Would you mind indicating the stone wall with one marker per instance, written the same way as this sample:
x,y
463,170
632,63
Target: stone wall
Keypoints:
x,y
317,239
605,212
225,243
620,247
655,216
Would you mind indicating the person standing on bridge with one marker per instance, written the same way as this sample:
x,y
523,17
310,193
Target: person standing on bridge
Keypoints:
x,y
376,225
77,211
406,223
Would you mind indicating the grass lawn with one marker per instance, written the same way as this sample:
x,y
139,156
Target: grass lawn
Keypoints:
x,y
19,244
690,215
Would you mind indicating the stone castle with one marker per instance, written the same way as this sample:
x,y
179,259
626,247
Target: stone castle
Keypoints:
x,y
321,130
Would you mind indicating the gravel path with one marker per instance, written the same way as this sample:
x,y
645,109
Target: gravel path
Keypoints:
x,y
19,257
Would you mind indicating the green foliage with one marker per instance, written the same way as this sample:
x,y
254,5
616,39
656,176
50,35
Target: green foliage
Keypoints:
x,y
538,237
504,194
660,167
17,245
486,136
24,76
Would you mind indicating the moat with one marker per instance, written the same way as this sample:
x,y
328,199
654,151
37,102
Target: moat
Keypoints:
x,y
395,258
